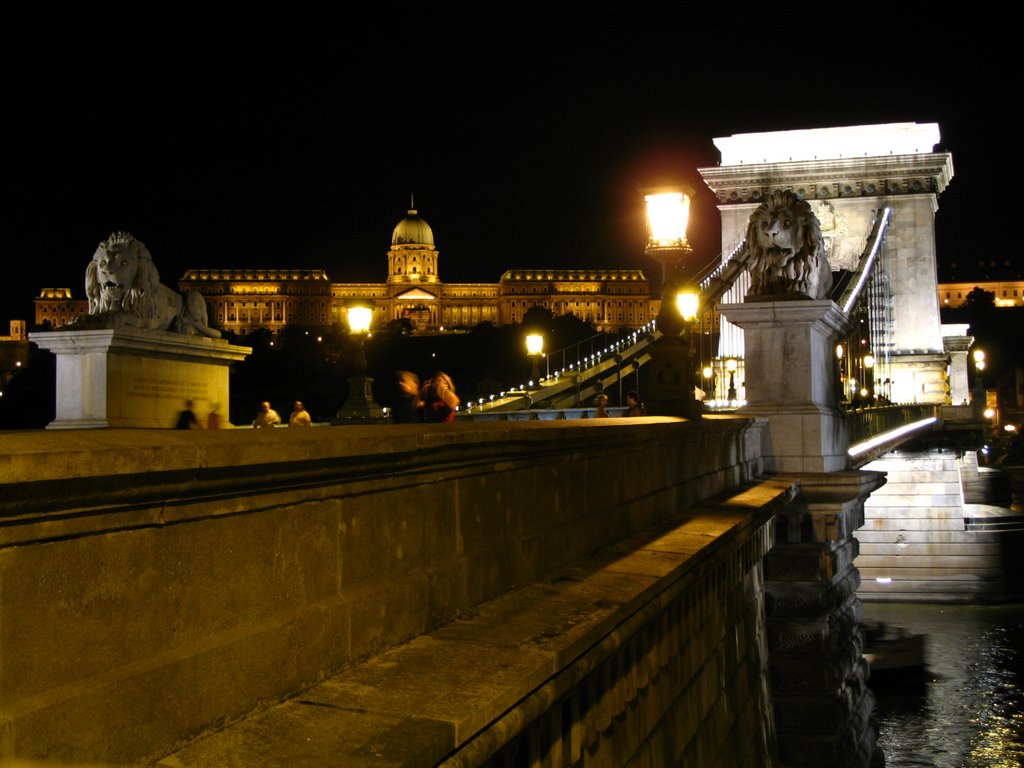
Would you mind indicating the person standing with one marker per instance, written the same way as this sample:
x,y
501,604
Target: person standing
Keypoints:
x,y
633,401
213,418
299,416
409,406
440,400
266,418
601,409
187,418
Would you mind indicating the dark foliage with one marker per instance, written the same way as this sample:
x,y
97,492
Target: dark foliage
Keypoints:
x,y
30,397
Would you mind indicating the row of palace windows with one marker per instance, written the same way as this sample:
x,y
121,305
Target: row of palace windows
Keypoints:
x,y
616,290
590,317
960,295
260,290
243,317
585,304
277,304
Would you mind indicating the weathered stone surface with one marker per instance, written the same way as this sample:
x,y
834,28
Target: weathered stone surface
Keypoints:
x,y
136,378
205,572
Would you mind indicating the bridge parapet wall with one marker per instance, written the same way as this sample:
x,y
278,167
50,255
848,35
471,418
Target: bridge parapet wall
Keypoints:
x,y
154,585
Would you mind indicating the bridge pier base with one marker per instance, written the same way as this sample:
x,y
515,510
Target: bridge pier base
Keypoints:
x,y
823,708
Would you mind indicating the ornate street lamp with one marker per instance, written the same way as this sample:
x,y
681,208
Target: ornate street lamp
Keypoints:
x,y
671,383
535,348
730,366
360,404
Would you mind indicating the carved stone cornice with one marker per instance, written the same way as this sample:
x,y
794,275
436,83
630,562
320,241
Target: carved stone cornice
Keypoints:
x,y
830,179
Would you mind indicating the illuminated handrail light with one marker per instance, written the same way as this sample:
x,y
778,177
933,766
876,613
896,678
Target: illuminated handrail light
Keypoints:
x,y
862,278
877,440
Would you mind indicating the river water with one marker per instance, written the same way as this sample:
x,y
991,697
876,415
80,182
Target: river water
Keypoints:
x,y
967,709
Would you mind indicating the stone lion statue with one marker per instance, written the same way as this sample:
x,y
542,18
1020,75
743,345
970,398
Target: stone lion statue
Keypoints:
x,y
787,252
124,289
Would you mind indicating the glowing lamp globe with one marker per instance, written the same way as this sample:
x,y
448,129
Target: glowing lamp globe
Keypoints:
x,y
688,302
359,319
667,215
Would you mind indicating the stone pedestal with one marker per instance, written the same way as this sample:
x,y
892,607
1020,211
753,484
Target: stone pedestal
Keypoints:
x,y
823,707
957,343
360,405
790,379
919,378
670,383
130,377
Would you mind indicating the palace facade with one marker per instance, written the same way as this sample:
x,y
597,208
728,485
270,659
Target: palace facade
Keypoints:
x,y
57,307
242,300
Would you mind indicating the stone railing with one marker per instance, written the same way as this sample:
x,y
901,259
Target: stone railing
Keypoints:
x,y
157,584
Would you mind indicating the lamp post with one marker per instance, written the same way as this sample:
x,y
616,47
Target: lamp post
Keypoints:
x,y
869,377
671,385
730,366
978,391
360,404
840,351
535,348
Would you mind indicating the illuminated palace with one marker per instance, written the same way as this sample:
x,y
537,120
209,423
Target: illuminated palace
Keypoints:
x,y
241,300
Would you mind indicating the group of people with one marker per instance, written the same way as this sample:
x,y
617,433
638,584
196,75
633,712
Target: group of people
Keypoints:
x,y
635,407
432,401
266,418
269,418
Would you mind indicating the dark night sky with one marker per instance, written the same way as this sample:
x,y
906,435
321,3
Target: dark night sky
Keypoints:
x,y
519,154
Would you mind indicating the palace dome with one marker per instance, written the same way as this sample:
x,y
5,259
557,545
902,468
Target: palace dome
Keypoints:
x,y
412,230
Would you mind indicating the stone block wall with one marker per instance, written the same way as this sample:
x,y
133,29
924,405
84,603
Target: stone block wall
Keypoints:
x,y
157,584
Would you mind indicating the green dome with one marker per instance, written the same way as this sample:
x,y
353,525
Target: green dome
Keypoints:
x,y
412,230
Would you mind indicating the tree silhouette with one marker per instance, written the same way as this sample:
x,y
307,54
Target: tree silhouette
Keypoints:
x,y
979,298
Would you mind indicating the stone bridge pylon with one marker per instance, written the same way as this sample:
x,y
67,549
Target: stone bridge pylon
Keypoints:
x,y
848,175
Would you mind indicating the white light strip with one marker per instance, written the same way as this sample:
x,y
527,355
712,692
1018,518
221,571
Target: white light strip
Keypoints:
x,y
871,258
874,442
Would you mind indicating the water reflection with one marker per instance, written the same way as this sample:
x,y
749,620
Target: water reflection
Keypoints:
x,y
967,709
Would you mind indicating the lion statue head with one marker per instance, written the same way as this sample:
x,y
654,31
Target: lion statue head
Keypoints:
x,y
787,252
121,277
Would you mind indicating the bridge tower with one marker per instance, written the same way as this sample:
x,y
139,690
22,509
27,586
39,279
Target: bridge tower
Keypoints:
x,y
847,174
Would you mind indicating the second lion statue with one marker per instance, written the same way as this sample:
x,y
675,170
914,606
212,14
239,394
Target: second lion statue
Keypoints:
x,y
124,289
787,252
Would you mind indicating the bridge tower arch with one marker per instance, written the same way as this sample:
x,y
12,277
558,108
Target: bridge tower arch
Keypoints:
x,y
849,174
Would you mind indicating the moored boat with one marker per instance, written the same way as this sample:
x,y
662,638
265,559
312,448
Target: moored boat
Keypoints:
x,y
891,649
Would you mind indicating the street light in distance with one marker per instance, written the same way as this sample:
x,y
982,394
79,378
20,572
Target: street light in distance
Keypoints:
x,y
360,405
